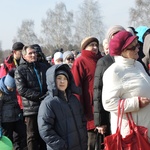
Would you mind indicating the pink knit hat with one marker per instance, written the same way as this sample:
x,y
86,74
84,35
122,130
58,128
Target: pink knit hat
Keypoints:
x,y
120,41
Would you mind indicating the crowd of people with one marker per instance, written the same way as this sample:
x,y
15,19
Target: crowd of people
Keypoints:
x,y
69,101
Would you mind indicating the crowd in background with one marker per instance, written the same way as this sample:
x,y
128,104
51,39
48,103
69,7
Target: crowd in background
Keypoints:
x,y
69,101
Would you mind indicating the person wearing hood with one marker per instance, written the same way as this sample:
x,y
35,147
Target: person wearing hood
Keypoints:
x,y
83,70
10,112
31,84
61,121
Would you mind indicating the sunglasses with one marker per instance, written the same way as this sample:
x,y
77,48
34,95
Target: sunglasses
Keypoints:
x,y
134,47
70,58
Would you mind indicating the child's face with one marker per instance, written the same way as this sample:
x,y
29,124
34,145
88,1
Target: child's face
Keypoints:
x,y
61,82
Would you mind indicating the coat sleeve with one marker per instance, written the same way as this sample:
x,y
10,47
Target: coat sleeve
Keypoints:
x,y
101,117
46,122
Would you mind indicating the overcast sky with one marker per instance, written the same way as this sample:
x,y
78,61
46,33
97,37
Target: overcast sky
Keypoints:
x,y
13,12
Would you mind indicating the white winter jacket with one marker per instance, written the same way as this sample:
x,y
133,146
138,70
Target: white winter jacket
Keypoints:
x,y
126,79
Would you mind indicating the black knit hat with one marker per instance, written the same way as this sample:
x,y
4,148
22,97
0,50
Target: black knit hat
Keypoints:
x,y
59,72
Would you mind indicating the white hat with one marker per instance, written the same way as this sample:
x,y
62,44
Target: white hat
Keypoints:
x,y
58,55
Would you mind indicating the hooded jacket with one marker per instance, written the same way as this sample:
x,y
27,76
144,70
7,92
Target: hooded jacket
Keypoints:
x,y
9,108
61,123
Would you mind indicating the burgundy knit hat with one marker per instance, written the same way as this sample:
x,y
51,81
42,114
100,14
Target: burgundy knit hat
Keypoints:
x,y
120,41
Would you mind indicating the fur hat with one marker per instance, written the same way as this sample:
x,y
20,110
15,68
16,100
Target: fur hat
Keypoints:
x,y
59,72
120,41
9,81
17,46
112,30
67,54
85,42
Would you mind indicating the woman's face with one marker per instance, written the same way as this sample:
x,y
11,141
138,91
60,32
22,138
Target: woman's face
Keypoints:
x,y
131,51
61,82
93,47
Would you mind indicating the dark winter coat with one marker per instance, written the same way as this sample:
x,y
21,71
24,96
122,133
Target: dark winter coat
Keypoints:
x,y
28,85
61,123
101,117
9,107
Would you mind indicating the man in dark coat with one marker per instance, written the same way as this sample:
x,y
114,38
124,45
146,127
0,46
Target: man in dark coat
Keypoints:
x,y
101,117
31,84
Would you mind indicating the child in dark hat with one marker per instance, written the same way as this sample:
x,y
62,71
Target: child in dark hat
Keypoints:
x,y
61,121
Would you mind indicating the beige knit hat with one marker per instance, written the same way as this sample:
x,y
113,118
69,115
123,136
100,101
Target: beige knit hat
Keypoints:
x,y
112,30
87,41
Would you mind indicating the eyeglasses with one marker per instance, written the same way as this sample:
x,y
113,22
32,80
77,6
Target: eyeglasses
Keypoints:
x,y
134,47
70,58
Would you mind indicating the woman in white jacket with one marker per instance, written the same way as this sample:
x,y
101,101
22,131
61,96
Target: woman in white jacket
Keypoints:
x,y
126,79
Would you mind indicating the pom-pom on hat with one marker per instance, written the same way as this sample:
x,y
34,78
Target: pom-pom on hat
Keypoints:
x,y
9,81
119,42
17,46
62,72
85,42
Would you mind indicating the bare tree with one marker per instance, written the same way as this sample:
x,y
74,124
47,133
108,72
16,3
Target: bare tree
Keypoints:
x,y
26,33
140,14
89,21
57,27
